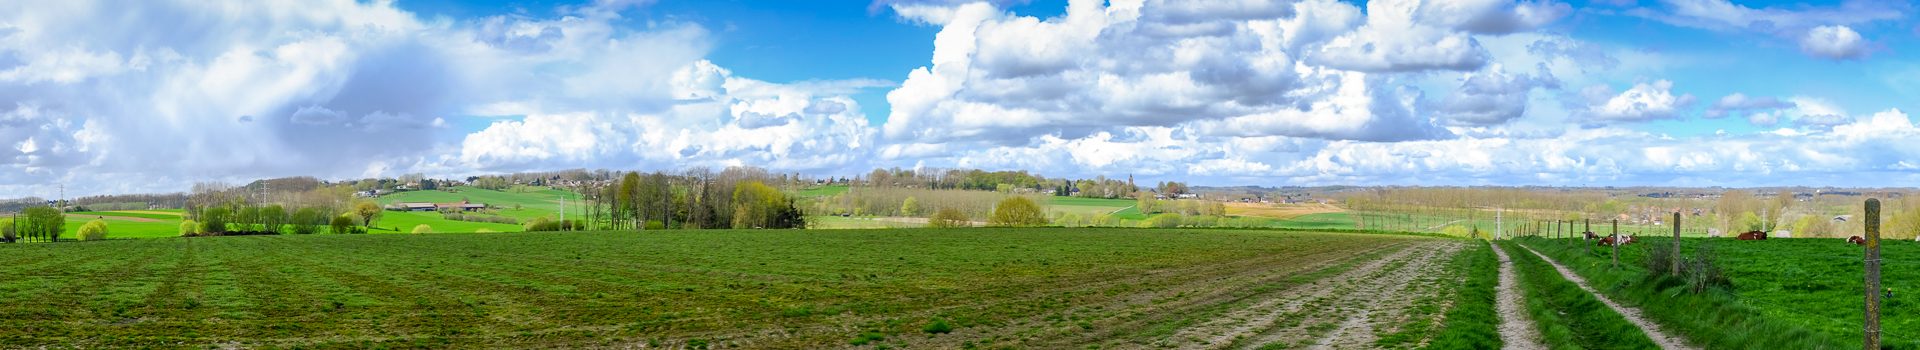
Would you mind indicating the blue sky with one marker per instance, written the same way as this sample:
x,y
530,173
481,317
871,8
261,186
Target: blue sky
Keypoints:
x,y
1307,92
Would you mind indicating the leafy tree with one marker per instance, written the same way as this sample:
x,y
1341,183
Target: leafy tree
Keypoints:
x,y
44,222
247,217
215,220
6,230
422,228
342,224
273,218
1147,203
626,200
367,211
756,205
1017,212
948,217
189,228
1749,222
909,207
93,230
306,221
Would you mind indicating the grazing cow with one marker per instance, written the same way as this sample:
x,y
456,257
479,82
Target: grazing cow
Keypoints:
x,y
1591,236
1856,240
1753,236
1621,240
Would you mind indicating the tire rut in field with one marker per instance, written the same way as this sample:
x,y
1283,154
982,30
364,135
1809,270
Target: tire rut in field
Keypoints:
x,y
1632,314
1223,331
1516,327
1166,295
1345,312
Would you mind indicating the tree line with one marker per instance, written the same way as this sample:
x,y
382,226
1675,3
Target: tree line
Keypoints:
x,y
737,197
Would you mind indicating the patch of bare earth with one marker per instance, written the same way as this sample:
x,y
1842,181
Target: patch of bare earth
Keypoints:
x,y
1130,320
1516,327
1350,311
1632,314
1342,310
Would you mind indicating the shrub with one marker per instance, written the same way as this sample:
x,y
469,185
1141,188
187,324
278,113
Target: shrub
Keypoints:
x,y
542,224
94,230
1017,212
6,230
214,220
909,207
306,221
422,228
938,327
948,217
342,224
1168,220
1699,272
189,228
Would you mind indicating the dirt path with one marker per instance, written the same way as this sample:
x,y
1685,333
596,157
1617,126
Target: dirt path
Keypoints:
x,y
1436,227
1516,327
1631,314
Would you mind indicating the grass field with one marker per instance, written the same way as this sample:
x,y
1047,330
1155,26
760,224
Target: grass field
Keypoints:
x,y
1088,207
523,203
1787,293
822,191
984,288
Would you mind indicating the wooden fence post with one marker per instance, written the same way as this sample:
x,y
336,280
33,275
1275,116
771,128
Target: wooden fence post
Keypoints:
x,y
1872,260
1616,243
1676,244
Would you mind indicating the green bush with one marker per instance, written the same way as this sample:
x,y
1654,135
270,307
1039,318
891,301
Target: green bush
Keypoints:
x,y
189,228
947,218
546,224
422,228
93,230
342,224
1017,212
6,230
938,327
214,220
1162,221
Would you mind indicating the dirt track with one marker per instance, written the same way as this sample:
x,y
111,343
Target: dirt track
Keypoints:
x,y
1632,315
1516,327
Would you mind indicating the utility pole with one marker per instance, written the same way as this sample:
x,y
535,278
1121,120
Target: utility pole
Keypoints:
x,y
1497,232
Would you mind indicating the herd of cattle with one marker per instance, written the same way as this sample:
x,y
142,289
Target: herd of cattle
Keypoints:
x,y
1617,239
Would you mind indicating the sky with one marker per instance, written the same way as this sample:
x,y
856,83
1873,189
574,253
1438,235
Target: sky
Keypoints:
x,y
106,97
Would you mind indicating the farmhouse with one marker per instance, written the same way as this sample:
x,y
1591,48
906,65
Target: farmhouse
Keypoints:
x,y
422,206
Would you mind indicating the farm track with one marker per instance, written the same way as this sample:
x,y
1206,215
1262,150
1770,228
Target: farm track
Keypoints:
x,y
1350,311
1516,327
1630,313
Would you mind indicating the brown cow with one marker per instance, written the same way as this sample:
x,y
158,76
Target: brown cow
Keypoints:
x,y
1591,236
1753,236
1623,240
1856,240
